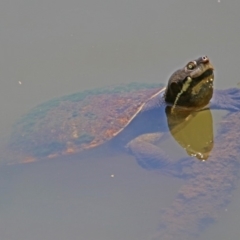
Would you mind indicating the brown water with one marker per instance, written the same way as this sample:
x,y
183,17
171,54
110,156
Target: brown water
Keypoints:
x,y
54,48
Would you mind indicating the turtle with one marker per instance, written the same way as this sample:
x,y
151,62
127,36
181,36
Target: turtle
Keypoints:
x,y
134,117
131,116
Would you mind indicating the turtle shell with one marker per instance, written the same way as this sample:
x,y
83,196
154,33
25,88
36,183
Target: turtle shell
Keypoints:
x,y
79,121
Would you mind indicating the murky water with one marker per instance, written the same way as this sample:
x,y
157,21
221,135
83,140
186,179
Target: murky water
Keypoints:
x,y
55,48
80,197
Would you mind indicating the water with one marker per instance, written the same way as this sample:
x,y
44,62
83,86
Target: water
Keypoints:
x,y
80,197
50,49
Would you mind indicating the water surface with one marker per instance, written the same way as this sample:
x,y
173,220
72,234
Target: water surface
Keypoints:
x,y
51,49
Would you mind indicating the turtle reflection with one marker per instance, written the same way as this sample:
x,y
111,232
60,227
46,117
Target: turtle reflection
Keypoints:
x,y
193,131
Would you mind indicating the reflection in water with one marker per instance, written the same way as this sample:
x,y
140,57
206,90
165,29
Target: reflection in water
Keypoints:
x,y
208,191
209,185
193,131
54,127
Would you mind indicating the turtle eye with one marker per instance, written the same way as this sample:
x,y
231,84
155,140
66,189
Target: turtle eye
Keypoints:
x,y
191,65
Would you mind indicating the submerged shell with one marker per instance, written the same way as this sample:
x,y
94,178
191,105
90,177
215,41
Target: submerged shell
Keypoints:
x,y
79,121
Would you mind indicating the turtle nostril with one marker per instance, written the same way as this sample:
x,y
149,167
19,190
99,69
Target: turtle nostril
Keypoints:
x,y
205,59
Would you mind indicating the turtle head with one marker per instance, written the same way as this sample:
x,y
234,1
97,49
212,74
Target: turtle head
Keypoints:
x,y
191,86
